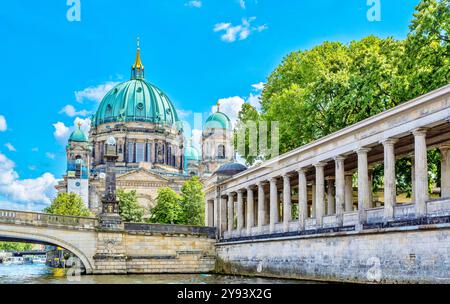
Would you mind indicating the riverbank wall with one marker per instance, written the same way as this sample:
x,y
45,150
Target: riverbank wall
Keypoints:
x,y
412,254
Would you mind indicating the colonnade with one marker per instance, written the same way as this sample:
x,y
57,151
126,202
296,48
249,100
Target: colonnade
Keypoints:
x,y
320,194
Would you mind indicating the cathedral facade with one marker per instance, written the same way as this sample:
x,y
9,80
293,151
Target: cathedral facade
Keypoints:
x,y
152,149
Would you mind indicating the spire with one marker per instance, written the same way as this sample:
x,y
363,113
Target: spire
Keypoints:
x,y
137,71
218,106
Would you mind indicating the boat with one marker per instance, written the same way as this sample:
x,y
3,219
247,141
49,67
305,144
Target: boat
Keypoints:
x,y
13,261
39,260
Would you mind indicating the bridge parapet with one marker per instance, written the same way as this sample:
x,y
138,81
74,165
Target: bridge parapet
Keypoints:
x,y
210,232
35,218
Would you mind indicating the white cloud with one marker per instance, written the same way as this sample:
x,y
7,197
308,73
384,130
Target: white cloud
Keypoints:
x,y
3,125
241,31
258,86
70,111
34,193
231,107
10,147
194,3
95,93
62,132
255,101
85,124
242,4
50,155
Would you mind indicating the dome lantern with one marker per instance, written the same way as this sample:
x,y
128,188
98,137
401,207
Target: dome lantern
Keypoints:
x,y
137,70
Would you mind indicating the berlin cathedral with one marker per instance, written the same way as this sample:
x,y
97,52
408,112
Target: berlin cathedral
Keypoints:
x,y
152,149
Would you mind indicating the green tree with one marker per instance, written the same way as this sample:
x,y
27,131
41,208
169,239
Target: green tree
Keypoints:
x,y
192,202
426,64
129,208
168,209
11,246
68,204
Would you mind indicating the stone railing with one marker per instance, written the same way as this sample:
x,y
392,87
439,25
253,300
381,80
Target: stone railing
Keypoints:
x,y
35,218
171,229
438,211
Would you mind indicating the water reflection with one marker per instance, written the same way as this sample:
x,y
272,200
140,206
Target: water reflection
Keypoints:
x,y
41,274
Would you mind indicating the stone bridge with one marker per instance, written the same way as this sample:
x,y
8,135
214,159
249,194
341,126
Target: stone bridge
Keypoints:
x,y
342,229
138,248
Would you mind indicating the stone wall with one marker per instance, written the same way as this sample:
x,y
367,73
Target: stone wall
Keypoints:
x,y
149,252
392,255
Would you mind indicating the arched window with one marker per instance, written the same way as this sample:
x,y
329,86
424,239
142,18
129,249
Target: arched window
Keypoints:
x,y
221,152
108,112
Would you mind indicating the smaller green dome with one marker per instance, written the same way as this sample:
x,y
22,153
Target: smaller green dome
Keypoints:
x,y
218,120
78,136
192,153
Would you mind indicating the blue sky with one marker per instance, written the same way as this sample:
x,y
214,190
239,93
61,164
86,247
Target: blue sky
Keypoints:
x,y
55,71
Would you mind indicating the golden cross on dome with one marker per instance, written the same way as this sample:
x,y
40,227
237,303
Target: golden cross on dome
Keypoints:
x,y
79,124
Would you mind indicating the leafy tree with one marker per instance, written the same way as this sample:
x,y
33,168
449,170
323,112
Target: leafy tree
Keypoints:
x,y
168,209
68,204
315,92
192,202
11,246
129,208
426,63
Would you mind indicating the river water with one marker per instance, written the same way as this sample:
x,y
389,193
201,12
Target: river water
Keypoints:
x,y
41,274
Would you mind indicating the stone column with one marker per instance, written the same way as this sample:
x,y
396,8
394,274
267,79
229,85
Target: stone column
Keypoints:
x,y
363,184
340,187
320,193
210,213
216,213
348,192
313,199
261,206
390,192
370,173
330,196
240,210
230,212
421,171
445,170
223,215
302,198
250,210
413,179
273,204
287,203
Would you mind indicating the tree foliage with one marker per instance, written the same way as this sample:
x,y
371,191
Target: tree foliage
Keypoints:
x,y
69,204
129,208
168,209
315,92
193,202
15,247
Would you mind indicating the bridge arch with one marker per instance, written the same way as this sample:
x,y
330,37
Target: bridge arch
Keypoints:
x,y
40,238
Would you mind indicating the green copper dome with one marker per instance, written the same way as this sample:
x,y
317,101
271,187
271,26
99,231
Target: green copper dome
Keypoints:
x,y
218,120
136,100
192,153
78,136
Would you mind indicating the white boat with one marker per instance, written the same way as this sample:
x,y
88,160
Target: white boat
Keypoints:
x,y
13,261
39,260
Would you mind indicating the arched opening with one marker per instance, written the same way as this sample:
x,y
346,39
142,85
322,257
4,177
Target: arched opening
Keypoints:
x,y
80,261
221,152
